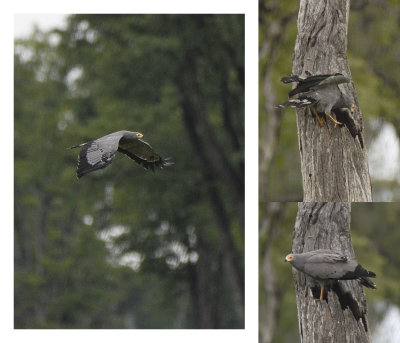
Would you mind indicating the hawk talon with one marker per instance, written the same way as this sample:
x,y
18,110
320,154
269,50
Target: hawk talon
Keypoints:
x,y
333,119
321,121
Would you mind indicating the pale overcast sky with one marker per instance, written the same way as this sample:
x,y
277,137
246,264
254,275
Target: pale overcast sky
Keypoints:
x,y
24,23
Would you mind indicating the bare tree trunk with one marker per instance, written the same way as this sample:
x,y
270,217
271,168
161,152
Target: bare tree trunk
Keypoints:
x,y
343,317
334,165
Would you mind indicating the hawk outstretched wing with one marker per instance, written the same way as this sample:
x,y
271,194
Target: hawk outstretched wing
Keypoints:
x,y
100,153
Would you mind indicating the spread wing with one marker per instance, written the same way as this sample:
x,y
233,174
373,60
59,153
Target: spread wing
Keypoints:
x,y
327,97
96,155
309,83
142,153
313,82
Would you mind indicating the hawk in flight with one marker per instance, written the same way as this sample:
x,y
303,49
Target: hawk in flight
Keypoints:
x,y
100,153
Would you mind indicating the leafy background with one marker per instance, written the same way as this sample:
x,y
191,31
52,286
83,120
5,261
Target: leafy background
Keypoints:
x,y
123,247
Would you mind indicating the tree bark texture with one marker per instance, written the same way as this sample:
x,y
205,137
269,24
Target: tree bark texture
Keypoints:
x,y
341,317
334,161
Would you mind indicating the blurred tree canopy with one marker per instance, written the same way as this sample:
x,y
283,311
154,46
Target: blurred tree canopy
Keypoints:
x,y
373,53
375,239
123,247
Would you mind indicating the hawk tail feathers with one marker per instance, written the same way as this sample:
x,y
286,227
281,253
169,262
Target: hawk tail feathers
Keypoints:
x,y
293,78
167,162
367,282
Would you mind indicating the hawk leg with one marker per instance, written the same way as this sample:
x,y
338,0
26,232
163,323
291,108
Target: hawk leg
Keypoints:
x,y
320,120
333,120
322,292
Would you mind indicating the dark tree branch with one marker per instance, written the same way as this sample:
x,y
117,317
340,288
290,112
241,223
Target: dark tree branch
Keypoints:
x,y
213,155
223,224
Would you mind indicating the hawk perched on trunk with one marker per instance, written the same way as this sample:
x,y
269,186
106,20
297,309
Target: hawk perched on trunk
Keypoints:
x,y
324,265
100,153
321,93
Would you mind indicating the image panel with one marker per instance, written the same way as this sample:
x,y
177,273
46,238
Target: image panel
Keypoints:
x,y
129,172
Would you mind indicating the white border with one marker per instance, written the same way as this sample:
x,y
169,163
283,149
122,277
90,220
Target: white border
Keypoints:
x,y
250,9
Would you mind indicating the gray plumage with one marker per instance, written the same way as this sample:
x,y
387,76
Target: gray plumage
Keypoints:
x,y
320,92
100,153
325,264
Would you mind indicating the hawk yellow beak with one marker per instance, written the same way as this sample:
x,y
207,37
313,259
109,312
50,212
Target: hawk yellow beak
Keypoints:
x,y
139,135
353,107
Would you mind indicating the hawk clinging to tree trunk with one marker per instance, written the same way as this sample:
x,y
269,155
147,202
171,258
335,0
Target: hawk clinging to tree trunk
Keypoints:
x,y
321,93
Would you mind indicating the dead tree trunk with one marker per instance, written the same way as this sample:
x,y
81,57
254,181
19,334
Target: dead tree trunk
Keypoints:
x,y
342,318
334,165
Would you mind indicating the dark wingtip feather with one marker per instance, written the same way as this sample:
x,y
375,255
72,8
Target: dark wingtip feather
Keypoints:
x,y
81,172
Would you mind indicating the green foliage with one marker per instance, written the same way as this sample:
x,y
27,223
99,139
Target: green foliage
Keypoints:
x,y
374,231
107,73
279,243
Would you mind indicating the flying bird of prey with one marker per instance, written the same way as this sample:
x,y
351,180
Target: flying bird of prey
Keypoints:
x,y
320,93
326,265
100,153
